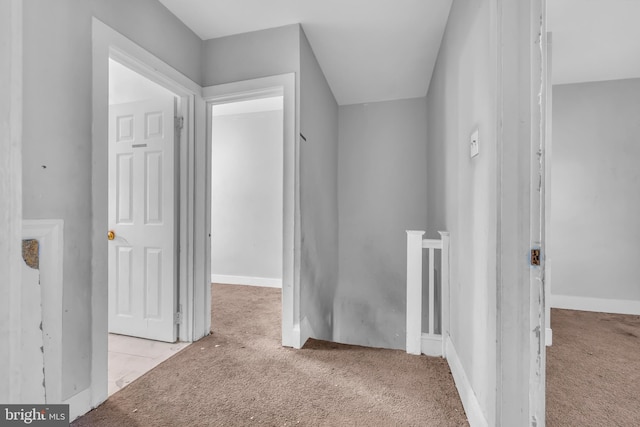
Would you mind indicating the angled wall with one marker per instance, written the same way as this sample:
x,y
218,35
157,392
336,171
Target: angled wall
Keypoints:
x,y
318,197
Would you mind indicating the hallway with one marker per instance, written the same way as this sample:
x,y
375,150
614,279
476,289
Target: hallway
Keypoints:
x,y
240,375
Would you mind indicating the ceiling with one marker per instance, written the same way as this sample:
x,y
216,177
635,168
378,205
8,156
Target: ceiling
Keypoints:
x,y
594,40
368,50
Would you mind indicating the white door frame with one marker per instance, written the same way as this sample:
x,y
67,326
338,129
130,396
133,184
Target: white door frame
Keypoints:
x,y
521,351
285,85
107,43
548,149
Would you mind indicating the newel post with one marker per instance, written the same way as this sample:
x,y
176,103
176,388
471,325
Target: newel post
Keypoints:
x,y
414,291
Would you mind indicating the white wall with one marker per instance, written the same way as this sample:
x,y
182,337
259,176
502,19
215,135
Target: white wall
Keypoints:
x,y
595,199
382,171
246,196
463,191
57,135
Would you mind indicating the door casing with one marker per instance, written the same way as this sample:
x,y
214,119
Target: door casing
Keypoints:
x,y
107,43
280,85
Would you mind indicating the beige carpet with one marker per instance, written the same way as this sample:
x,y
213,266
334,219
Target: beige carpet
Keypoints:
x,y
240,375
593,369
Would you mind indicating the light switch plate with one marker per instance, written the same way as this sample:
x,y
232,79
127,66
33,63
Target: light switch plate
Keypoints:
x,y
473,144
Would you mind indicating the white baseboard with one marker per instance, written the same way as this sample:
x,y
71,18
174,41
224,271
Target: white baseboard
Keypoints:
x,y
602,305
469,400
79,404
245,280
431,345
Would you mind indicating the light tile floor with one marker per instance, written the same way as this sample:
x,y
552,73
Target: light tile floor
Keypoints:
x,y
130,358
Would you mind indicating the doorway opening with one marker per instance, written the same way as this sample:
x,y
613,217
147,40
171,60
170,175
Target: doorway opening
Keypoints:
x,y
143,214
255,181
247,193
593,207
191,274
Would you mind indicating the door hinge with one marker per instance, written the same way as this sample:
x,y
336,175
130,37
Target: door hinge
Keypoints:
x,y
178,318
535,256
179,122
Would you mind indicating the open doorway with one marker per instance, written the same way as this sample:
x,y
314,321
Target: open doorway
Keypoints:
x,y
246,192
247,146
192,311
143,178
593,209
263,96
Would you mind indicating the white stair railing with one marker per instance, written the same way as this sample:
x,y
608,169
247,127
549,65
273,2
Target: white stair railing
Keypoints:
x,y
429,343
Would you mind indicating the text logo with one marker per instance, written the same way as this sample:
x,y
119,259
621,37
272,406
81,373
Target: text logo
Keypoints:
x,y
34,415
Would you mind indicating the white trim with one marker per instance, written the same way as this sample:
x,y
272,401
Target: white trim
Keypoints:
x,y
301,335
193,282
603,305
431,345
520,351
467,396
285,85
548,186
548,337
50,236
79,404
431,243
266,282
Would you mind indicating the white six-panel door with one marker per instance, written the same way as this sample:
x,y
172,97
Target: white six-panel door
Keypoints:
x,y
142,267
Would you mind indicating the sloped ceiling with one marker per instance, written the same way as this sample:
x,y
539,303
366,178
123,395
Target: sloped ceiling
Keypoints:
x,y
369,50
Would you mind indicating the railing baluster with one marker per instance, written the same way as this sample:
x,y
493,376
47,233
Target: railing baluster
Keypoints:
x,y
432,286
444,291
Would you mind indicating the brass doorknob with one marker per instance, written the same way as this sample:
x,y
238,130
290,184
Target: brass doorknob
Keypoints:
x,y
111,235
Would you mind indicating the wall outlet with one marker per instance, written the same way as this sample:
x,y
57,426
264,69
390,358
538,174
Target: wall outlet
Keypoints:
x,y
473,144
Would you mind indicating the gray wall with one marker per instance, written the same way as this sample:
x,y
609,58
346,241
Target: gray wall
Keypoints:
x,y
462,191
246,194
10,199
57,134
251,55
595,205
319,196
382,171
